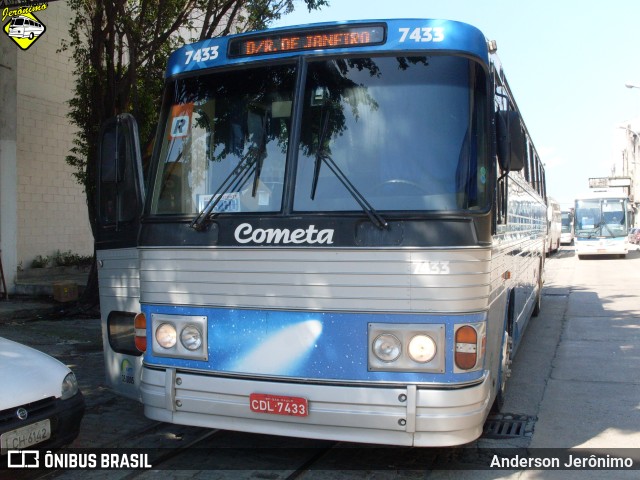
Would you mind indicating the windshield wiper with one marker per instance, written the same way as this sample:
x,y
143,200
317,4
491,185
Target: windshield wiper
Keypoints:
x,y
250,163
319,152
603,225
367,208
586,232
323,156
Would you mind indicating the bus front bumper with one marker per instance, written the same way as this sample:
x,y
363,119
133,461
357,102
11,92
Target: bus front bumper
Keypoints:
x,y
408,415
601,246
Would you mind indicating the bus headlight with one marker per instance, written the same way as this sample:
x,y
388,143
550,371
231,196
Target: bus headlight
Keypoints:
x,y
406,347
191,330
191,337
387,347
422,348
166,335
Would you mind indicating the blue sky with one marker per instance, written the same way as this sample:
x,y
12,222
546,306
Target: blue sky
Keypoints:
x,y
567,62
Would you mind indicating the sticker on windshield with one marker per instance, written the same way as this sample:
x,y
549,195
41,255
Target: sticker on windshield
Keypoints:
x,y
180,120
230,202
23,27
483,175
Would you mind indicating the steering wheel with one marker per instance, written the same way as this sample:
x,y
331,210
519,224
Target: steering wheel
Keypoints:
x,y
401,181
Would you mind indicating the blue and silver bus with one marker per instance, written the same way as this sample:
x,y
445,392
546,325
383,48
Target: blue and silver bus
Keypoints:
x,y
341,235
602,221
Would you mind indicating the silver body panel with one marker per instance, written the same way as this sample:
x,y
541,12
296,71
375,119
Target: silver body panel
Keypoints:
x,y
602,246
119,281
429,281
370,280
427,417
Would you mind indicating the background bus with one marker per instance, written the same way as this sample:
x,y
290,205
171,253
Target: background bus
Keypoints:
x,y
554,217
316,256
602,224
566,235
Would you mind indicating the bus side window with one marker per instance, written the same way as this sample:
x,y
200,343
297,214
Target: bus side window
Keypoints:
x,y
127,203
118,192
501,200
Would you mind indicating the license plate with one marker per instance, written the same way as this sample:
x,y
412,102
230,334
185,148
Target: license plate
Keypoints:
x,y
278,405
26,436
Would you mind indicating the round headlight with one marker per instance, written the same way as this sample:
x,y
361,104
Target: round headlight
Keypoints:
x,y
191,337
387,347
422,348
166,335
69,386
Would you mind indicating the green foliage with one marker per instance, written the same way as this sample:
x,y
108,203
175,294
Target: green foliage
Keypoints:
x,y
62,259
70,259
120,50
40,262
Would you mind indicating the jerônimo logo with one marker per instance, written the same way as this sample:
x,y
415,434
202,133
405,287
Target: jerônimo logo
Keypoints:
x,y
20,23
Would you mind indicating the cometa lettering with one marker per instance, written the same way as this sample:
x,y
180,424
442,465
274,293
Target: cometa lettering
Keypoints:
x,y
245,233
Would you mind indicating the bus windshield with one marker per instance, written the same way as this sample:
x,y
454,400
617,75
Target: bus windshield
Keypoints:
x,y
407,133
600,217
567,222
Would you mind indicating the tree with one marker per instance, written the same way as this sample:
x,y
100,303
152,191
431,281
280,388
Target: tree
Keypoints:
x,y
120,50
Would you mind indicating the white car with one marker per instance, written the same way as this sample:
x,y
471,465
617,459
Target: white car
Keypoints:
x,y
40,403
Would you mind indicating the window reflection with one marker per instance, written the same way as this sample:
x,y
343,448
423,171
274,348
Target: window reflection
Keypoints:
x,y
221,124
406,131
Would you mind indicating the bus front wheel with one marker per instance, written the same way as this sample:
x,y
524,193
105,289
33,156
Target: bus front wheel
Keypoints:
x,y
505,372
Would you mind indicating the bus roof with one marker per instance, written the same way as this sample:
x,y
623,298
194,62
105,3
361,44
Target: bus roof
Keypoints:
x,y
410,36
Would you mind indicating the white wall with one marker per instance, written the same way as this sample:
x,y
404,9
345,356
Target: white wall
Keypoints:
x,y
8,175
51,206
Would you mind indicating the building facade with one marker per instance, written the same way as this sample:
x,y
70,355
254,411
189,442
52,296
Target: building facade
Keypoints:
x,y
42,207
628,162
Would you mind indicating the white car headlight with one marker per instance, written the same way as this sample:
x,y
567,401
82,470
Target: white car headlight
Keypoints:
x,y
69,386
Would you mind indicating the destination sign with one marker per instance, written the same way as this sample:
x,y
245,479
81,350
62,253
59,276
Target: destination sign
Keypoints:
x,y
317,39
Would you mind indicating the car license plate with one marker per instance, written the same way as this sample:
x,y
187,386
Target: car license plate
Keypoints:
x,y
278,405
26,436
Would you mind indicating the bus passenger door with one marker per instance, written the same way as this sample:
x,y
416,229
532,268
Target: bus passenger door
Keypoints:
x,y
119,202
